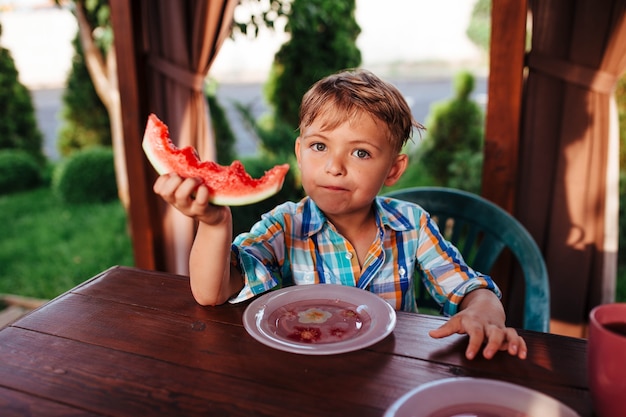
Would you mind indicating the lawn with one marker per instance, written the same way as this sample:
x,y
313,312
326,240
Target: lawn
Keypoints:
x,y
47,247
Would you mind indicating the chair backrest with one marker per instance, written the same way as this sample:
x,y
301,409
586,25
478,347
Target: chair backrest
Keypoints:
x,y
481,231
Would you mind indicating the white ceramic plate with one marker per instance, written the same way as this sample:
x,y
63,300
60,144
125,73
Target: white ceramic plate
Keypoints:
x,y
319,319
476,397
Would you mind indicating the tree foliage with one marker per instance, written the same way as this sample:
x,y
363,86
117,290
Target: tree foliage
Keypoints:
x,y
225,143
452,149
18,125
323,41
256,14
85,119
96,40
479,28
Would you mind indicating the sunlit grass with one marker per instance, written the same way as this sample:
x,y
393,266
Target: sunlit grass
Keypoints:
x,y
47,247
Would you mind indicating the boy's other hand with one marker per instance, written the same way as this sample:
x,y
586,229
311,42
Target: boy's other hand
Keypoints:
x,y
482,319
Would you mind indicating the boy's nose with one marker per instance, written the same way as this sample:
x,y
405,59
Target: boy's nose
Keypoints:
x,y
335,166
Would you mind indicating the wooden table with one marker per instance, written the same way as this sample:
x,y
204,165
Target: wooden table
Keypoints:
x,y
130,342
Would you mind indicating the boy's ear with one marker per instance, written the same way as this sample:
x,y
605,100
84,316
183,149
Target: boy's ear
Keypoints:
x,y
297,150
397,169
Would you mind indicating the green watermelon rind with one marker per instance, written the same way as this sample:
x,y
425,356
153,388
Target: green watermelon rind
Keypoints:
x,y
241,190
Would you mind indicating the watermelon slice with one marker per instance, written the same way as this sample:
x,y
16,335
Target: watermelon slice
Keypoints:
x,y
228,185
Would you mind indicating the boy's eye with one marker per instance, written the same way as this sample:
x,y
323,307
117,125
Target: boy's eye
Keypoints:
x,y
361,154
318,146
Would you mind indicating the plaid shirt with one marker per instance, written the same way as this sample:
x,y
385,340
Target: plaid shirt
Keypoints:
x,y
294,244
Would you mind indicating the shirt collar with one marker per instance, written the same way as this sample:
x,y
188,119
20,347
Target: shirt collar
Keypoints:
x,y
388,216
312,217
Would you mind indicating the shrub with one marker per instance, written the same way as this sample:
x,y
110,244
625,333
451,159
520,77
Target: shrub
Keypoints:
x,y
322,41
276,137
224,136
87,176
18,125
85,119
479,28
19,171
452,148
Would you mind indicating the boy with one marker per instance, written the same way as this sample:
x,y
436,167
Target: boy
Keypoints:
x,y
352,129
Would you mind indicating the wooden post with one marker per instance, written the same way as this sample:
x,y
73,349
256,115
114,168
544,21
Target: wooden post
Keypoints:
x,y
143,209
503,119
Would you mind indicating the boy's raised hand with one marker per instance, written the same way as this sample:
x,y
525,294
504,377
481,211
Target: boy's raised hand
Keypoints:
x,y
190,197
482,318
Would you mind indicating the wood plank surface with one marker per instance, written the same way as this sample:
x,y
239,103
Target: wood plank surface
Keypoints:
x,y
172,291
132,342
228,350
121,384
18,404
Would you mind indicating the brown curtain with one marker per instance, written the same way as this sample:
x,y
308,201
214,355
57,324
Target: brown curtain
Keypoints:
x,y
568,174
180,41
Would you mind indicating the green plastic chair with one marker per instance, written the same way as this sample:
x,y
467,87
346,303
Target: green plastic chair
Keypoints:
x,y
481,231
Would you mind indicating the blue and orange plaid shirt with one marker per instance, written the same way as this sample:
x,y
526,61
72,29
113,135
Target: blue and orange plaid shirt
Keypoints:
x,y
294,244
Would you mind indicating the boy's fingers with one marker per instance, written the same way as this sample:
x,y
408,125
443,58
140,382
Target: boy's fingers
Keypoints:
x,y
185,190
476,339
517,344
202,195
161,183
496,340
448,328
493,338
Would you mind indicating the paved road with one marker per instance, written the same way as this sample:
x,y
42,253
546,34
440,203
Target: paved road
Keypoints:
x,y
47,111
420,94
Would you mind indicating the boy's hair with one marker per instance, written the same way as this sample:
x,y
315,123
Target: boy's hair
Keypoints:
x,y
343,95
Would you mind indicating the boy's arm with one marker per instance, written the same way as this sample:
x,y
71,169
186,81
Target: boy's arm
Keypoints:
x,y
213,280
480,313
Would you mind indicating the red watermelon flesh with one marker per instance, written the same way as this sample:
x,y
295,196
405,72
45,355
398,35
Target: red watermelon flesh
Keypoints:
x,y
228,185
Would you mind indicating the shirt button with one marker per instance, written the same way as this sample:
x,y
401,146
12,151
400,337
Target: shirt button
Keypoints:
x,y
402,271
349,255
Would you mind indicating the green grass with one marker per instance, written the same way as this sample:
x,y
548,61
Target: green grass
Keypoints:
x,y
48,247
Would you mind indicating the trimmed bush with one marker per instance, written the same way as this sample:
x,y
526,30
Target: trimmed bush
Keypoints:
x,y
85,120
322,41
19,171
224,136
453,144
87,176
18,125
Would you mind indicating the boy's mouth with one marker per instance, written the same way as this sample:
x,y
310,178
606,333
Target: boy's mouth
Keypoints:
x,y
334,188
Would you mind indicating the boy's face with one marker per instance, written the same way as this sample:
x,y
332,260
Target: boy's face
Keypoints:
x,y
344,168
